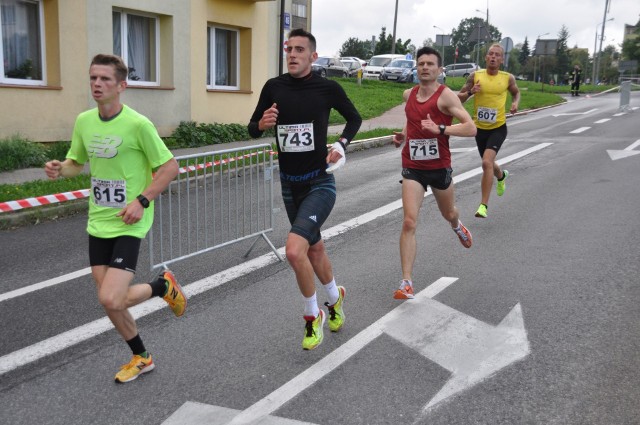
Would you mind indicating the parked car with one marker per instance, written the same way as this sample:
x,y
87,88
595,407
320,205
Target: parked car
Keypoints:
x,y
326,66
398,70
442,78
377,63
353,58
352,65
460,69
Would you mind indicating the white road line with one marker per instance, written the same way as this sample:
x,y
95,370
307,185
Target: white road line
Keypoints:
x,y
579,130
619,114
74,336
310,376
602,120
45,284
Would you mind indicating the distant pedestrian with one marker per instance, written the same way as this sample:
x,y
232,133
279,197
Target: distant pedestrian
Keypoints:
x,y
122,148
489,88
576,77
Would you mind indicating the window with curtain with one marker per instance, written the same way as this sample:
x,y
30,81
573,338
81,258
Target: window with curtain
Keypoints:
x,y
222,58
22,44
135,40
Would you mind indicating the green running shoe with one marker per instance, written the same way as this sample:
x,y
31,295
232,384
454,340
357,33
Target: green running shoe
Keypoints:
x,y
502,185
482,211
336,314
313,331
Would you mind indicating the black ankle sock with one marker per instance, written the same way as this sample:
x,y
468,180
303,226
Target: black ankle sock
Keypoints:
x,y
136,345
503,176
158,287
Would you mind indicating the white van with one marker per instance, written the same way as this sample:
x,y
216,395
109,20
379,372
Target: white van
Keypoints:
x,y
375,65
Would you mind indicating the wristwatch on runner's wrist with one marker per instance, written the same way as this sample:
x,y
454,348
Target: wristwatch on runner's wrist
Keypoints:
x,y
442,128
143,201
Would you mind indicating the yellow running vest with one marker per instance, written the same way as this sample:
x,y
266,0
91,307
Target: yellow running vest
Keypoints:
x,y
489,102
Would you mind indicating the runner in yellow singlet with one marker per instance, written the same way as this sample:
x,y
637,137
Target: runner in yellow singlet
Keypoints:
x,y
489,87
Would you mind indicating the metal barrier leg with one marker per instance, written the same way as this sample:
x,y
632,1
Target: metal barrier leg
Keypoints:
x,y
266,239
625,96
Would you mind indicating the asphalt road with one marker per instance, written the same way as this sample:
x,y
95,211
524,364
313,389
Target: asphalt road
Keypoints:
x,y
537,323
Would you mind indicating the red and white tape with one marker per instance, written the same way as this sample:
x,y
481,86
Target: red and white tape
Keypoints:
x,y
83,193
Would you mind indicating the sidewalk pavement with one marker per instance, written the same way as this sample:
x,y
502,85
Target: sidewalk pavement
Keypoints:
x,y
393,118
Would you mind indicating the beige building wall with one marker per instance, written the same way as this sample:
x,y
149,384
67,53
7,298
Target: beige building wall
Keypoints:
x,y
76,30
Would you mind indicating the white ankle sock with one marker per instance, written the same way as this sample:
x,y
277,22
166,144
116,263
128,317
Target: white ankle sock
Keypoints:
x,y
332,291
404,282
311,306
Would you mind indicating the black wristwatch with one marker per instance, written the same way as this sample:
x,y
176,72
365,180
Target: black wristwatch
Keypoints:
x,y
442,128
143,201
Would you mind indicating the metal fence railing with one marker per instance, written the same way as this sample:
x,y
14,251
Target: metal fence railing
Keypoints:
x,y
218,198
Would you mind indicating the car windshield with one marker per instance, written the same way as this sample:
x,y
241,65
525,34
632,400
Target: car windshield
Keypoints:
x,y
401,64
379,61
322,61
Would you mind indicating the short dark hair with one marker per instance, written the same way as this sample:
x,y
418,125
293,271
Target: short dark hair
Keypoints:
x,y
426,50
116,61
299,32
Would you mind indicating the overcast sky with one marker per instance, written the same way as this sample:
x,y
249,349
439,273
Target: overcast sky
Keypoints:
x,y
335,21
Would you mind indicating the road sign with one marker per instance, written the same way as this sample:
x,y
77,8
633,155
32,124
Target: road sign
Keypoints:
x,y
287,20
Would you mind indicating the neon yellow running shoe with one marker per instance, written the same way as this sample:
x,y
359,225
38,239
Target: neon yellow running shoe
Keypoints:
x,y
482,211
136,367
174,296
313,331
336,314
502,184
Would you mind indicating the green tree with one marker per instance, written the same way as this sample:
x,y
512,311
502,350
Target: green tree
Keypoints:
x,y
631,46
357,48
385,41
467,45
563,61
523,57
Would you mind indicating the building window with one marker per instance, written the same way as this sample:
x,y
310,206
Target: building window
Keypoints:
x,y
222,58
139,34
22,43
299,10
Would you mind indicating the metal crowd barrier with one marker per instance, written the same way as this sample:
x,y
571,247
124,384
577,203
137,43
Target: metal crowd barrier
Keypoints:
x,y
625,96
218,198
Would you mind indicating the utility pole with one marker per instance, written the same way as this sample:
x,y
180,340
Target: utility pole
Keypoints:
x,y
395,21
604,21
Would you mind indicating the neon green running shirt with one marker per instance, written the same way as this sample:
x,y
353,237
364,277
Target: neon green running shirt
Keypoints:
x,y
122,153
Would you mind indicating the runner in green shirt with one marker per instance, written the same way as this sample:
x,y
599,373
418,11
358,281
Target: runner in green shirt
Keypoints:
x,y
122,148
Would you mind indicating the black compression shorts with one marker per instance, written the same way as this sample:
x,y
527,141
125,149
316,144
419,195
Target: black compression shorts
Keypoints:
x,y
119,253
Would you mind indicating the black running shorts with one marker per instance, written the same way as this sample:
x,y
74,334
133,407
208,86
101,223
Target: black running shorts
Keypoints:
x,y
438,179
491,139
308,205
120,253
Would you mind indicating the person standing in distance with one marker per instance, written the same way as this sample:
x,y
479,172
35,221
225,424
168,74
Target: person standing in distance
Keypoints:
x,y
426,157
297,104
123,148
489,87
576,77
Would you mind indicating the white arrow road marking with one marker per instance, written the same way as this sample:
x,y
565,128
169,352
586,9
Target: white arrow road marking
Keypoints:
x,y
626,152
472,350
575,113
579,130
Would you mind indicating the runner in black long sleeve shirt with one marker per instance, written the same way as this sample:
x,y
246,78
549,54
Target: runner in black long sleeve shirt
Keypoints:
x,y
297,104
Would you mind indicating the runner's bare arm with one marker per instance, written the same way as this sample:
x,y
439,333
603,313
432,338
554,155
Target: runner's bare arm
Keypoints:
x,y
515,94
66,168
450,104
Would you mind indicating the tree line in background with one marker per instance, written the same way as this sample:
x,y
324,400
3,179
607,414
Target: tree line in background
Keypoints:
x,y
471,39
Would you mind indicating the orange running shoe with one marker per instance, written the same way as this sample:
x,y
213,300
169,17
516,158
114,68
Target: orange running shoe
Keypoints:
x,y
405,292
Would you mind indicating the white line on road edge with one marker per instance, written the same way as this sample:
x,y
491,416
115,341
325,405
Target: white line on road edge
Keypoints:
x,y
45,284
331,361
74,336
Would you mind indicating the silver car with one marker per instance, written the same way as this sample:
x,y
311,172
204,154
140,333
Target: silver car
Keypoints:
x,y
460,69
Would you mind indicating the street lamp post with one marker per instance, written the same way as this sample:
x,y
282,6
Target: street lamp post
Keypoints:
x,y
395,21
604,20
441,41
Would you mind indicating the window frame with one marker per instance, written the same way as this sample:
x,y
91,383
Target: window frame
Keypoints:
x,y
25,81
124,54
211,52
